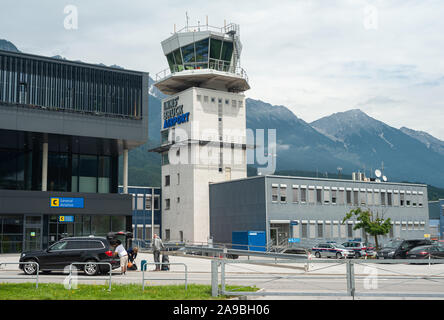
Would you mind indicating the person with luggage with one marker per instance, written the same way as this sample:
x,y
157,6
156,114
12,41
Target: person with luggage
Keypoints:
x,y
157,245
123,255
132,254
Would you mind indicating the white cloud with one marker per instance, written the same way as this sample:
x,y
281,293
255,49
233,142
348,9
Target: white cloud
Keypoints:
x,y
316,57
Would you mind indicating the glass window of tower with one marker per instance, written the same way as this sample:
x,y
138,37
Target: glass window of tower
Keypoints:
x,y
215,48
188,53
227,51
202,51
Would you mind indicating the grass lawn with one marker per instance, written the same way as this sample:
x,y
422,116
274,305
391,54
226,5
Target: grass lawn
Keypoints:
x,y
49,291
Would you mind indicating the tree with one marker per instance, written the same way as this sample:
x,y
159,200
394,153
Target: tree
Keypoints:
x,y
370,223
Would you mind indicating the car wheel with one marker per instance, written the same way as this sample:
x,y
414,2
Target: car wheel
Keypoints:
x,y
338,255
317,254
357,255
91,268
30,268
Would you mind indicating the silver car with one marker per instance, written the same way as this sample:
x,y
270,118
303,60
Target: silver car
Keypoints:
x,y
332,250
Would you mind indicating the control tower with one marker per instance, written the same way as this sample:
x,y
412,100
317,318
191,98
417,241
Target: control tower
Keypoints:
x,y
203,125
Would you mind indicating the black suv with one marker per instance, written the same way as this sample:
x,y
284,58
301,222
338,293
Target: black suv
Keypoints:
x,y
397,249
70,250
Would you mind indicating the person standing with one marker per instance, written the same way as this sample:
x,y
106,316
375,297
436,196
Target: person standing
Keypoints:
x,y
123,255
157,245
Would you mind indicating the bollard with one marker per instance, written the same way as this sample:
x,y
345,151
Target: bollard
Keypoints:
x,y
214,282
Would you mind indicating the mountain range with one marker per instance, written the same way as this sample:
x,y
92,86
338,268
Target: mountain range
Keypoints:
x,y
351,140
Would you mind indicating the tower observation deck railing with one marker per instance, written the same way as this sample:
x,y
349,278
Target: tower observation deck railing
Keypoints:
x,y
225,29
217,65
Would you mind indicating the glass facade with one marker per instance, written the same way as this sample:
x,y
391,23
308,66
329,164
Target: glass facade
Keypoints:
x,y
74,166
207,53
59,85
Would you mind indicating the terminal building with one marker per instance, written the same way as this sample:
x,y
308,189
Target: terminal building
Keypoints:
x,y
63,126
203,125
307,210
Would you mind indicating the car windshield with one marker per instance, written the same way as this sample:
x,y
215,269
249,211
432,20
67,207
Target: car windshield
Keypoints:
x,y
340,246
392,244
421,248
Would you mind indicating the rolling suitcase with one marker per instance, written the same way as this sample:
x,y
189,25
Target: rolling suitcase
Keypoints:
x,y
165,263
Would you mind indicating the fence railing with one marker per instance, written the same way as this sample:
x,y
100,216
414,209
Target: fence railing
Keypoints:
x,y
36,276
394,278
70,277
185,278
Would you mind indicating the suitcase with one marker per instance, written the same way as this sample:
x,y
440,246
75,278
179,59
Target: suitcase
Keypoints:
x,y
165,263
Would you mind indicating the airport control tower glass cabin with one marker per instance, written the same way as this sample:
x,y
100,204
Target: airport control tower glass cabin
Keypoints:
x,y
203,125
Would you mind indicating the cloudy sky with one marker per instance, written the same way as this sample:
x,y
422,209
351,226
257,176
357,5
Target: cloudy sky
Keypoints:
x,y
315,57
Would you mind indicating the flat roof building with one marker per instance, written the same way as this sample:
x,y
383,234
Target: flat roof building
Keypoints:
x,y
306,210
63,125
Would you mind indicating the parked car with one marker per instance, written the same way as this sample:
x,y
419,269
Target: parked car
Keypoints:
x,y
360,249
426,252
397,249
294,251
70,250
332,250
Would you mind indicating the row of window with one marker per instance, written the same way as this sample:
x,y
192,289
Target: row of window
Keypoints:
x,y
24,80
144,202
206,99
327,229
347,196
210,52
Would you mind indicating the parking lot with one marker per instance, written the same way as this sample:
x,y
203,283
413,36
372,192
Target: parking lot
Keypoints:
x,y
281,281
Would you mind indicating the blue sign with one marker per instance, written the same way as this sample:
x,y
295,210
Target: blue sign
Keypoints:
x,y
66,202
66,219
294,240
294,223
178,119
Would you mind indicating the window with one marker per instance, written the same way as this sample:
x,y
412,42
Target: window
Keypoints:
x,y
199,97
167,234
240,104
295,194
341,199
370,197
311,195
355,197
274,194
59,245
148,201
327,230
234,103
383,203
178,178
320,230
304,230
404,226
377,198
165,159
167,204
156,202
389,199
167,180
334,199
140,201
178,199
349,200
326,196
205,98
303,195
319,196
283,194
213,99
402,197
349,230
363,198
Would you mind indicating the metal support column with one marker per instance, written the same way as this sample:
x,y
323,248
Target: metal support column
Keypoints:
x,y
214,280
45,167
125,171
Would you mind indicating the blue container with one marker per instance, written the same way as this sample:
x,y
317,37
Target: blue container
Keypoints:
x,y
249,240
142,264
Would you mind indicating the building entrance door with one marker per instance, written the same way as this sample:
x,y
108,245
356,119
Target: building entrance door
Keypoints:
x,y
274,235
33,233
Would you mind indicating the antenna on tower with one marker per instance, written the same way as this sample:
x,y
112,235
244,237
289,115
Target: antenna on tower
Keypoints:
x,y
188,18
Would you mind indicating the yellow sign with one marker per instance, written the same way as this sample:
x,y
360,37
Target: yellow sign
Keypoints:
x,y
55,202
62,218
427,236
